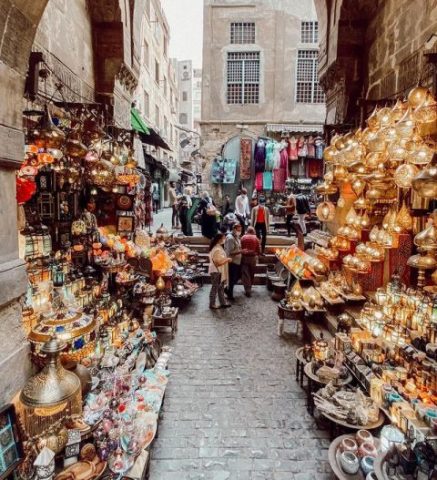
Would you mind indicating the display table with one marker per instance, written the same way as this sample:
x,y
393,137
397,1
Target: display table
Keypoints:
x,y
339,426
300,364
285,313
171,321
314,383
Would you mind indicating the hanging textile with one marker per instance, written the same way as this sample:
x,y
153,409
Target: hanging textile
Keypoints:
x,y
279,180
230,170
302,150
268,181
260,155
245,158
311,147
292,148
276,154
314,168
319,146
259,181
270,151
217,171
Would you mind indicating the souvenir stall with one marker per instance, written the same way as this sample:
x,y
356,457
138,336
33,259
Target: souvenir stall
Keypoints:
x,y
99,286
375,362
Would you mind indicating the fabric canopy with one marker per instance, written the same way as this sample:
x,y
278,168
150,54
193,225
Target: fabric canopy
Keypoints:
x,y
138,123
153,138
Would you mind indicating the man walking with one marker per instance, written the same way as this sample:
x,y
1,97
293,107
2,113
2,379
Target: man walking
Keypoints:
x,y
242,209
260,219
290,210
233,251
303,209
173,198
250,248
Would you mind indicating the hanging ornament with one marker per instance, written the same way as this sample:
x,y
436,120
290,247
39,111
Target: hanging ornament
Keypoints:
x,y
405,174
325,211
340,173
341,202
365,221
396,151
373,235
389,219
360,203
358,186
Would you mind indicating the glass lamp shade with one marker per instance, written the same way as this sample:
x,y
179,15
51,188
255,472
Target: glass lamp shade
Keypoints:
x,y
405,174
417,96
325,211
160,284
425,182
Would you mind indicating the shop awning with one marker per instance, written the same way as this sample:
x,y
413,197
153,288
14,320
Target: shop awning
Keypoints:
x,y
138,123
187,172
155,139
295,127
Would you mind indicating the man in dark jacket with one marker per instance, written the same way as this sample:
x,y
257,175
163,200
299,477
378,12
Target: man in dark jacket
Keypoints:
x,y
302,210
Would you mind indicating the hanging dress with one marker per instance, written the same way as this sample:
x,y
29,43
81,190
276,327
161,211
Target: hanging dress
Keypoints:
x,y
302,150
260,156
320,146
280,173
268,180
259,181
292,148
270,150
311,147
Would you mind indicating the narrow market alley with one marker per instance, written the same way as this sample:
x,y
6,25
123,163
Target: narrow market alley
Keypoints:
x,y
233,409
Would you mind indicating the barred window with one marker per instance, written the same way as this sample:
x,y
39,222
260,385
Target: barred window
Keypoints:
x,y
309,32
243,32
243,78
308,89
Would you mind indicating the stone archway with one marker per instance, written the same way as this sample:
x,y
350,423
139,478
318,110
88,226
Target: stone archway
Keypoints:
x,y
19,20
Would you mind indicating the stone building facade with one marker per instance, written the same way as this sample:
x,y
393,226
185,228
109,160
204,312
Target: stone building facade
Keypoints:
x,y
94,49
372,52
267,36
157,95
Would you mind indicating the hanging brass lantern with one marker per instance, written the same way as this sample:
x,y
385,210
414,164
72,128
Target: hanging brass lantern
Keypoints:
x,y
74,147
373,120
385,117
422,155
340,143
396,151
425,182
405,126
417,96
325,211
358,185
48,135
340,173
399,110
326,189
405,174
404,219
360,203
426,240
427,111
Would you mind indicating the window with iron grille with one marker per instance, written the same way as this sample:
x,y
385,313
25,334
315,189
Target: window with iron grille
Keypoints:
x,y
243,32
308,89
309,32
243,77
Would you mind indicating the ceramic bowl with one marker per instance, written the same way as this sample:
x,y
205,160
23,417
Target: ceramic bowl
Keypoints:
x,y
364,436
348,444
367,464
349,462
367,449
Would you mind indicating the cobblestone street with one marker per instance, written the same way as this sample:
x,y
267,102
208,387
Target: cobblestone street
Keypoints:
x,y
233,409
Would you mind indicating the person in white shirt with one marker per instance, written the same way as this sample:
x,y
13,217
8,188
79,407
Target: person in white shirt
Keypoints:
x,y
242,209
